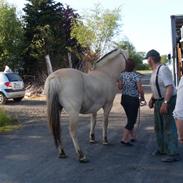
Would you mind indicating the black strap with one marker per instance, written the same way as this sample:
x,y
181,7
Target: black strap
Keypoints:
x,y
157,84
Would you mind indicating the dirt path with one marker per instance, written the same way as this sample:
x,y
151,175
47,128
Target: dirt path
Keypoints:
x,y
28,155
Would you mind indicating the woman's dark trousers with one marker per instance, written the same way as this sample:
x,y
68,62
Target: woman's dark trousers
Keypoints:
x,y
131,106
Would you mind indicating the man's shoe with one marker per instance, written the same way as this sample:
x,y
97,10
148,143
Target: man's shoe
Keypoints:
x,y
171,158
157,153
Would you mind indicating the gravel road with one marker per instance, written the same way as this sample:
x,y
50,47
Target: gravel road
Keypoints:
x,y
28,155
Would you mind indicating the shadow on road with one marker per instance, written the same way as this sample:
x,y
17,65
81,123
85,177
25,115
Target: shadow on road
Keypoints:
x,y
26,102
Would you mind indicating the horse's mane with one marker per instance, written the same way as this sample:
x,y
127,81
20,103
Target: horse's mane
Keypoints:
x,y
107,57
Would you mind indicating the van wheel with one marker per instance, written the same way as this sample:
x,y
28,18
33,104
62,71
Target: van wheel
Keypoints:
x,y
18,99
3,99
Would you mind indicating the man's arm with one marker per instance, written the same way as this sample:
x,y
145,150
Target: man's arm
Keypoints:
x,y
168,95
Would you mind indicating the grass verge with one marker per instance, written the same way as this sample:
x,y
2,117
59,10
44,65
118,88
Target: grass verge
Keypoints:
x,y
145,71
7,122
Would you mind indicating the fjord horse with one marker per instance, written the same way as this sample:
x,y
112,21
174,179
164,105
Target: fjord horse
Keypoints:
x,y
78,92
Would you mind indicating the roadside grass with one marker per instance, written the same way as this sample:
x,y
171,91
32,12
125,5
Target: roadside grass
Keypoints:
x,y
7,122
145,71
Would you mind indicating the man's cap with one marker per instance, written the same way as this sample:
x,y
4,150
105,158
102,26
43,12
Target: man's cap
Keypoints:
x,y
152,53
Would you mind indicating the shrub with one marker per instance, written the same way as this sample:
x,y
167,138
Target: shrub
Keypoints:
x,y
7,123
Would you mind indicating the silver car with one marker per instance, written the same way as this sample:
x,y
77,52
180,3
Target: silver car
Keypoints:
x,y
11,87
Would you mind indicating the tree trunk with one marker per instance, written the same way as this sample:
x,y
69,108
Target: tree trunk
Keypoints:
x,y
70,60
48,64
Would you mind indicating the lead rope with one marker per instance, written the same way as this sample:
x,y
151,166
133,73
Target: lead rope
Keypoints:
x,y
138,124
142,103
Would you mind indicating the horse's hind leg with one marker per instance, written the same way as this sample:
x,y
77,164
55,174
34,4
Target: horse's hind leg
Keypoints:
x,y
60,143
61,150
107,109
73,119
92,128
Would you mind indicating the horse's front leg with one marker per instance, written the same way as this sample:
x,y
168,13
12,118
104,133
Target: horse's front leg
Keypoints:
x,y
92,128
73,119
107,109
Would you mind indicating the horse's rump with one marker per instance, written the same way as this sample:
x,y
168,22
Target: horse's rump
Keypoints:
x,y
68,84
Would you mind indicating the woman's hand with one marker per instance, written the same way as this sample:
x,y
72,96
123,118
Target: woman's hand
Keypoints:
x,y
119,84
151,103
143,102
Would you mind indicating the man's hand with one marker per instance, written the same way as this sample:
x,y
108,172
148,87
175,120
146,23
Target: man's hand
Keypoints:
x,y
164,108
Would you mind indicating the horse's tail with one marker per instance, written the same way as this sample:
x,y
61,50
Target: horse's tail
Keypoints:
x,y
53,109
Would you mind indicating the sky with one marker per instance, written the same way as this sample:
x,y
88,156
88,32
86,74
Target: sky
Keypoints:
x,y
146,23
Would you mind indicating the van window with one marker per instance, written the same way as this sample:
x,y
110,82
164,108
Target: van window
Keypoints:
x,y
13,77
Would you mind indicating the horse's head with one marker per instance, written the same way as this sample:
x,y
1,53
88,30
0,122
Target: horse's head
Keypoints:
x,y
113,62
124,54
108,58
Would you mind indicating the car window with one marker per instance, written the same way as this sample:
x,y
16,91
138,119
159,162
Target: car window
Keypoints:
x,y
13,77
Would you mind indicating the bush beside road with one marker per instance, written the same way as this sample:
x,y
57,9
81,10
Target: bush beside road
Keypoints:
x,y
7,122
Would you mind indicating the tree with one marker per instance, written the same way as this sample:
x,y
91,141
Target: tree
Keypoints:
x,y
164,59
11,36
96,30
47,31
138,57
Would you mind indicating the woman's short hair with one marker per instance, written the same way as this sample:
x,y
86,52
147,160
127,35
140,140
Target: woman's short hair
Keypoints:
x,y
130,65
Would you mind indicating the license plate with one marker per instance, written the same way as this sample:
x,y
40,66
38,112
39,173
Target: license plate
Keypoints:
x,y
17,86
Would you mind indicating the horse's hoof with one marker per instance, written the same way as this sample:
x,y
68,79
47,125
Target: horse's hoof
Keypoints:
x,y
83,160
105,143
82,157
92,141
62,156
105,140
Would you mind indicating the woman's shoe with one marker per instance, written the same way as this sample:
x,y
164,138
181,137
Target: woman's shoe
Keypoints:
x,y
133,140
126,143
181,141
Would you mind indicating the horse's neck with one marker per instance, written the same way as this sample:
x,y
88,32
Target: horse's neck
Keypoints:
x,y
113,69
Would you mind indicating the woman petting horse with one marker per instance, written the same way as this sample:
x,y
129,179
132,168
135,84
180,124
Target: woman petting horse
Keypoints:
x,y
78,92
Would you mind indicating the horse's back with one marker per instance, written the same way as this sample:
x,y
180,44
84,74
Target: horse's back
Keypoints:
x,y
83,92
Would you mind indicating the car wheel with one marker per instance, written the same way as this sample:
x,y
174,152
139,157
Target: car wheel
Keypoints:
x,y
3,99
18,99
